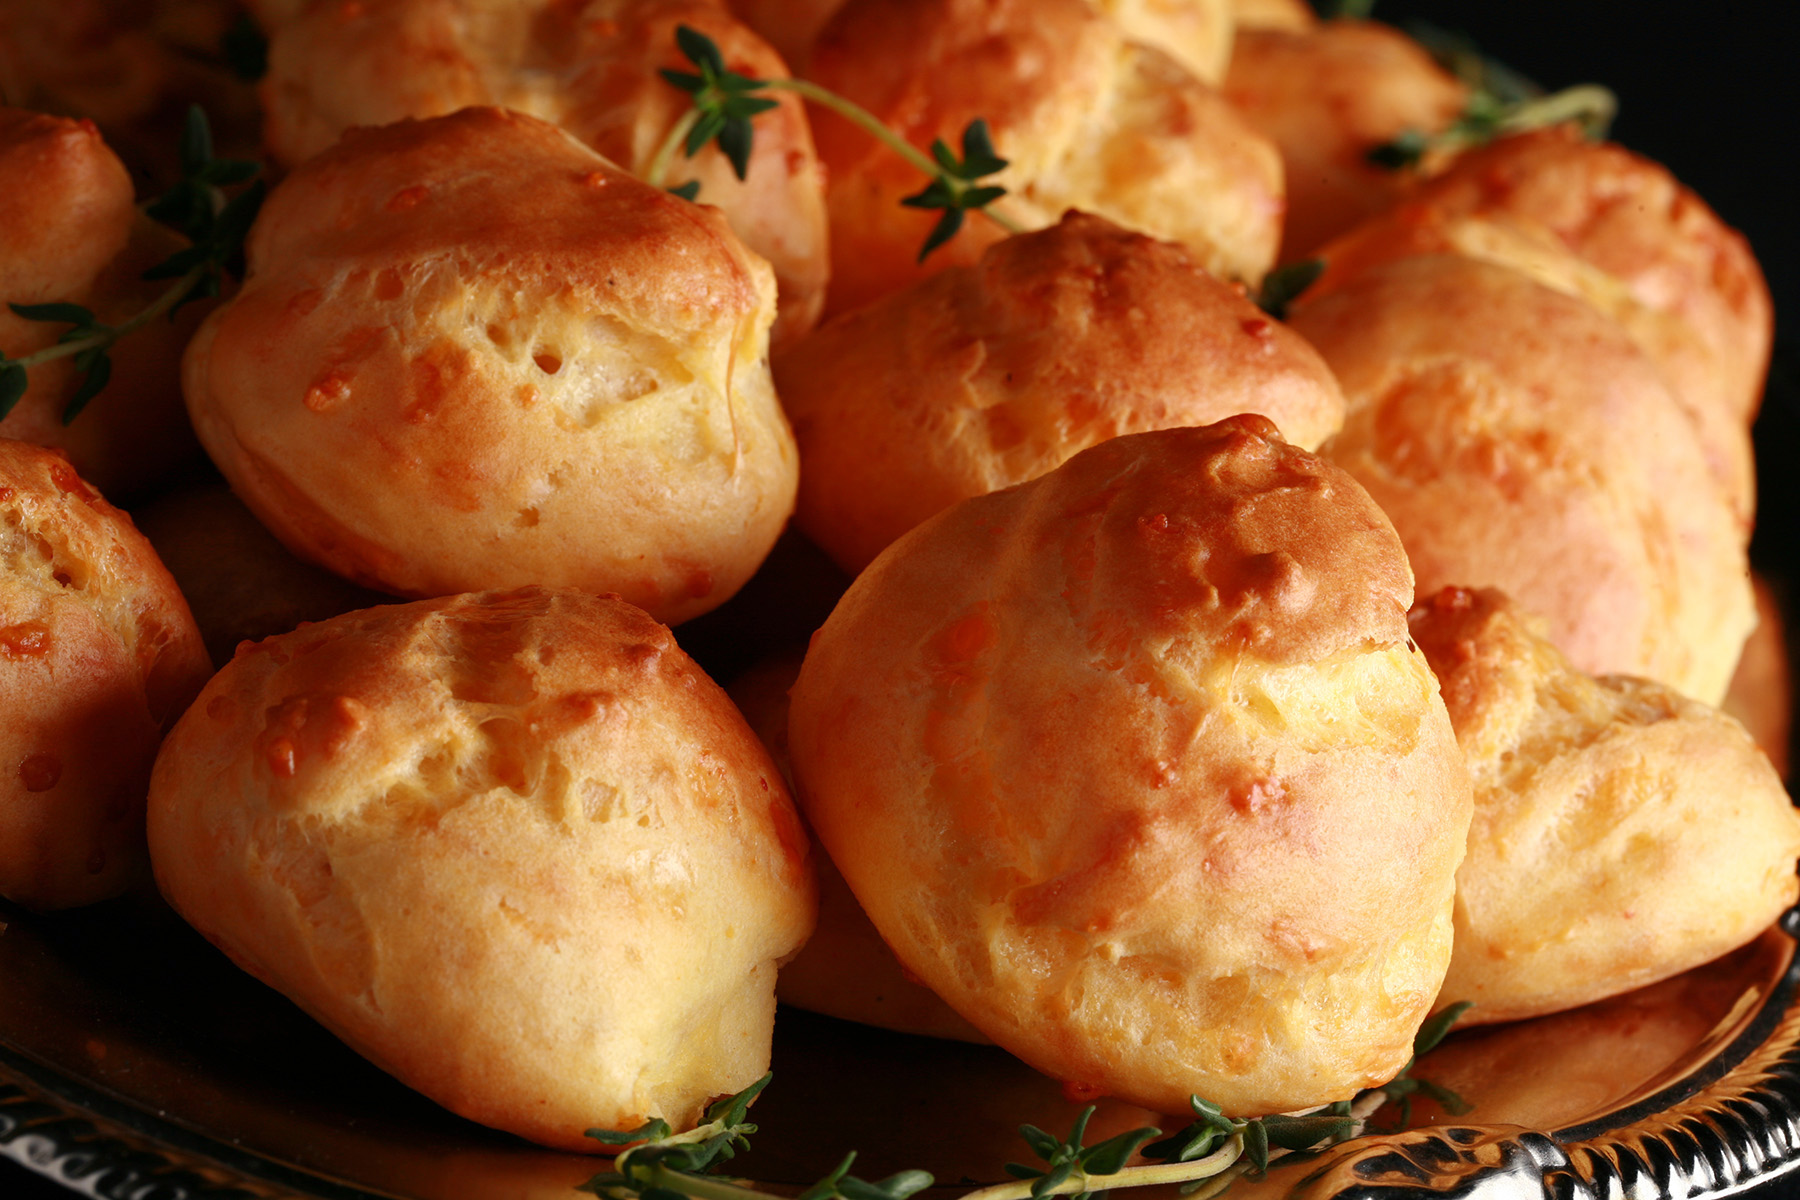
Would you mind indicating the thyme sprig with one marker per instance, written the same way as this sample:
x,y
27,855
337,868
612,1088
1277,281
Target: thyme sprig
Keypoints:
x,y
1486,119
215,226
956,188
655,1164
1501,102
1203,1157
724,103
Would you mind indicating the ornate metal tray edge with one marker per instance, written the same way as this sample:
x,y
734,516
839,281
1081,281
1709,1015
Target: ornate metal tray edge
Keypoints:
x,y
114,1150
1729,1124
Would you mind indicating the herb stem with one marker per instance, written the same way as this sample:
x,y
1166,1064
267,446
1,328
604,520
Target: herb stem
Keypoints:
x,y
656,174
700,1187
1147,1176
1589,104
111,334
1220,1183
861,117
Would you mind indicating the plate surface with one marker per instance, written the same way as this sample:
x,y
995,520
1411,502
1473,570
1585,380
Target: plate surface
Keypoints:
x,y
135,1061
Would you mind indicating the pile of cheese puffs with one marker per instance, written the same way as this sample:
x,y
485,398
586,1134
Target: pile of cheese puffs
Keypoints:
x,y
1186,697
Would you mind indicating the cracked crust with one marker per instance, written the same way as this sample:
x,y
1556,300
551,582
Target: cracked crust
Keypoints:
x,y
1180,805
472,353
515,848
98,656
989,375
591,68
1086,118
1623,833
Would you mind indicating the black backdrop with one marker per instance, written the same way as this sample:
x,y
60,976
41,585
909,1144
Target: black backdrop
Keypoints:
x,y
1713,91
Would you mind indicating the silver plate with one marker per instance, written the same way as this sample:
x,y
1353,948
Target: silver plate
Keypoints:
x,y
136,1062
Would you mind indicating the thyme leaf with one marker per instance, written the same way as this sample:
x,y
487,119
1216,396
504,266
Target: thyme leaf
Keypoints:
x,y
1284,285
725,102
1501,101
1402,1087
215,225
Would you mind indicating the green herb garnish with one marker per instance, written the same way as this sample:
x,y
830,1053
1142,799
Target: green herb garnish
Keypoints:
x,y
1282,286
1204,1157
724,102
1501,102
1403,1086
214,224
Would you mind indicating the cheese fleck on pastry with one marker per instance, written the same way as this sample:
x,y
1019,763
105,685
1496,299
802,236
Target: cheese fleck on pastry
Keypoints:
x,y
514,847
1135,766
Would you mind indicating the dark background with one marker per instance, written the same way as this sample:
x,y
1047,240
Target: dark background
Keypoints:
x,y
1709,90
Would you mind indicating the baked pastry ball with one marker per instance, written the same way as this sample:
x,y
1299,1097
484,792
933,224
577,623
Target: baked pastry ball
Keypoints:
x,y
1294,15
1634,222
1622,832
473,353
1761,696
790,26
845,970
514,847
1196,32
1519,439
98,656
591,67
1327,96
987,375
70,233
1600,223
1086,118
1135,767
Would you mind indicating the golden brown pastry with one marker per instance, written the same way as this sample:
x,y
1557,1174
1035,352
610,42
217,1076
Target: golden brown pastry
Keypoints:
x,y
1622,832
98,656
1135,766
1086,118
472,353
845,970
241,584
1197,33
1631,220
1761,696
1597,222
988,375
1327,96
514,847
790,26
590,67
1519,439
1294,15
69,233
